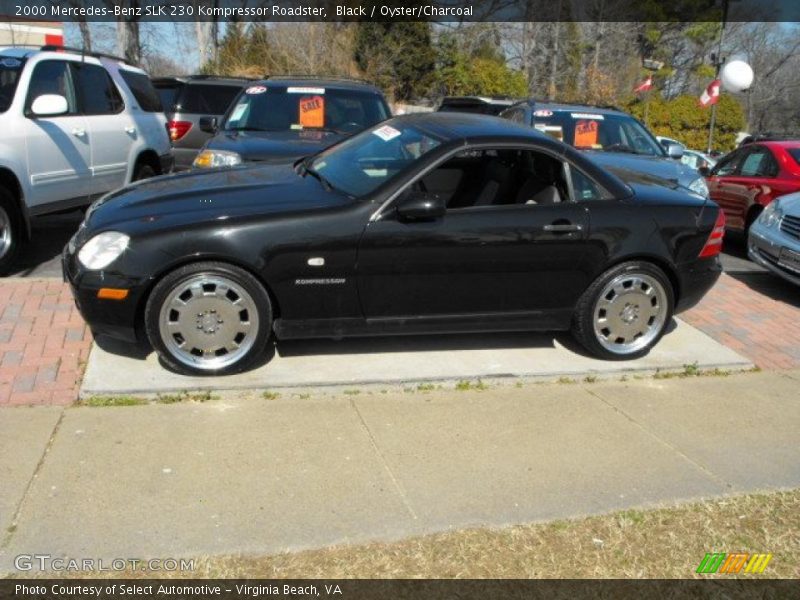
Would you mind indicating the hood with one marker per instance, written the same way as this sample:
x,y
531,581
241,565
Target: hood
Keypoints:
x,y
212,195
665,168
273,145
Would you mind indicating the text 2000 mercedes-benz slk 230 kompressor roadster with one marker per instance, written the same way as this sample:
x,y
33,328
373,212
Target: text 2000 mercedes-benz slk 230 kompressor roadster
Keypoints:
x,y
427,223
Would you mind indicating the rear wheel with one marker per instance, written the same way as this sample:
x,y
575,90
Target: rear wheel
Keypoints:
x,y
208,319
10,231
624,313
143,171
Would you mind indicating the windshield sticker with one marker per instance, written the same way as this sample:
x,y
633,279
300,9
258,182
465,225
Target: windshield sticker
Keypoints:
x,y
542,113
312,111
305,90
11,63
255,89
586,134
386,133
586,116
238,112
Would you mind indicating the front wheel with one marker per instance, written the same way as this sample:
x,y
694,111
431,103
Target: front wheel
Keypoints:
x,y
208,319
624,313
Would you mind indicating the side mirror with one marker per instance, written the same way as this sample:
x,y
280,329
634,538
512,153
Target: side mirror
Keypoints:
x,y
49,105
421,206
674,151
704,171
208,124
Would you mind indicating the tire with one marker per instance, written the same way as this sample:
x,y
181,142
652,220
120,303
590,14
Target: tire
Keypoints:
x,y
143,171
208,318
10,231
625,311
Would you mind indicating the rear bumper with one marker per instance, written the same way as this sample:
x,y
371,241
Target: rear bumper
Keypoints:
x,y
695,282
184,157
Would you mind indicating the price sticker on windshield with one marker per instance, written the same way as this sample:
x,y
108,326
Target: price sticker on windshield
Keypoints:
x,y
586,134
312,111
386,133
255,89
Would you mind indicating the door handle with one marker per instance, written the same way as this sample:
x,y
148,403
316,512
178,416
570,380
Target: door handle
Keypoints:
x,y
130,130
79,132
562,228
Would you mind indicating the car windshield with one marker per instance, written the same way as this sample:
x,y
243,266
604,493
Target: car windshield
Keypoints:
x,y
360,164
596,131
10,68
262,108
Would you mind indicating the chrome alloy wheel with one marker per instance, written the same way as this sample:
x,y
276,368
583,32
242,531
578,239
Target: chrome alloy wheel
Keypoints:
x,y
5,232
629,313
208,322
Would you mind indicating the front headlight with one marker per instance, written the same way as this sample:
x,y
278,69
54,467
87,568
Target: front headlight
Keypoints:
x,y
699,187
772,215
103,249
208,159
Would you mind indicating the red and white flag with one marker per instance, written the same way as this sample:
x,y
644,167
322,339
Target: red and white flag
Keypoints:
x,y
645,86
711,94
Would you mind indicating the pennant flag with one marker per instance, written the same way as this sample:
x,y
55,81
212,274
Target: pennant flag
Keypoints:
x,y
645,86
711,94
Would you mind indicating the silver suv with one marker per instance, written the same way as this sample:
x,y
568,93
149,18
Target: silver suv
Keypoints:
x,y
75,126
186,100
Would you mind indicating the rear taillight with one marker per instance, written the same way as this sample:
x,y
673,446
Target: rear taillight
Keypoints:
x,y
178,129
714,242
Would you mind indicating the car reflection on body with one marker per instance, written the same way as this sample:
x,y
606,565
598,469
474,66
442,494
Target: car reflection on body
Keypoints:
x,y
774,238
426,223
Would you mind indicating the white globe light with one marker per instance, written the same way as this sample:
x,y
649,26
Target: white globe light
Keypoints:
x,y
737,76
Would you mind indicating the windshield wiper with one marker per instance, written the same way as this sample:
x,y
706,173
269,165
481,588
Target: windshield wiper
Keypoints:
x,y
247,129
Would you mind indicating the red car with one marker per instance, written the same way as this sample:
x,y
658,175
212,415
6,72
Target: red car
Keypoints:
x,y
749,178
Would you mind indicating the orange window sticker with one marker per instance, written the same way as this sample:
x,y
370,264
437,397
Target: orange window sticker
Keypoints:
x,y
312,111
586,134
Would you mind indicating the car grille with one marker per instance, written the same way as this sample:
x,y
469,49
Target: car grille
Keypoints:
x,y
791,226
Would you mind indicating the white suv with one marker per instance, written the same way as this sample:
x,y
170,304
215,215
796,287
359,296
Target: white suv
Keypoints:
x,y
74,126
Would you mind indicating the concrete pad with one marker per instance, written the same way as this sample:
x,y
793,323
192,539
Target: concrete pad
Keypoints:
x,y
522,455
25,433
192,479
398,360
744,428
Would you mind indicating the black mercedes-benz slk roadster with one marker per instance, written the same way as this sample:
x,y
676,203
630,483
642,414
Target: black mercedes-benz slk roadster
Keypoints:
x,y
422,224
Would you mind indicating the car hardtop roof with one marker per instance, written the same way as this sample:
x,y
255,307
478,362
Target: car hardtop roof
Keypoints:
x,y
502,100
461,125
200,78
336,83
568,107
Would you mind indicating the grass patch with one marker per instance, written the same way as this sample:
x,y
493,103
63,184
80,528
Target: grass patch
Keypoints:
x,y
267,395
351,392
692,370
124,400
566,380
466,385
662,543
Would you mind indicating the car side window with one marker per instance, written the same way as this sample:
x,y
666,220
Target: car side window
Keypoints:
x,y
728,164
52,77
484,178
515,114
97,93
584,188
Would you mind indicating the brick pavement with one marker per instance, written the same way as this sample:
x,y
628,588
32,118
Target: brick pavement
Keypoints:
x,y
44,343
755,314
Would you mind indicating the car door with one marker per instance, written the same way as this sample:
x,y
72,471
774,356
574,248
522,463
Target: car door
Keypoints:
x,y
110,127
58,148
724,186
502,260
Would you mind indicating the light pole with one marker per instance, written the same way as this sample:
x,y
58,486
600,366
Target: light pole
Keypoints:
x,y
718,62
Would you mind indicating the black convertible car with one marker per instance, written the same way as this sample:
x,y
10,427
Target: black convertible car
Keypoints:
x,y
424,223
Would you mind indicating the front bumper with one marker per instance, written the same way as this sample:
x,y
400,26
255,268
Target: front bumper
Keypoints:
x,y
118,319
764,246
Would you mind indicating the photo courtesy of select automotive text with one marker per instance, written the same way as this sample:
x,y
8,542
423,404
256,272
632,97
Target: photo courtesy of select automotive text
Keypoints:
x,y
399,299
